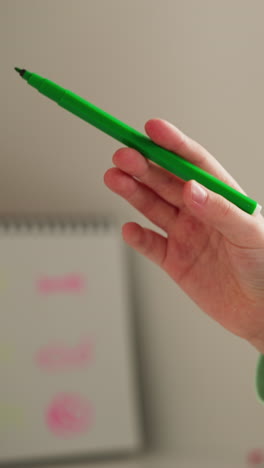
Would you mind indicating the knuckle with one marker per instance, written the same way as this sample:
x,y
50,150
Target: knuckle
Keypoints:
x,y
183,142
149,246
225,208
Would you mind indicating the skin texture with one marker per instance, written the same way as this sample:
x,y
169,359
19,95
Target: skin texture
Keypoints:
x,y
213,250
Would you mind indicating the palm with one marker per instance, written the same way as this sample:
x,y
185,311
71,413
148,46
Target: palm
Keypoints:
x,y
201,261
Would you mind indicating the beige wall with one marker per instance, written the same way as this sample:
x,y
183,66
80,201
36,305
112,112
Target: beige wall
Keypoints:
x,y
198,64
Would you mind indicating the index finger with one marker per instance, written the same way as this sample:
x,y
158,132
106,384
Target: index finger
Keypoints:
x,y
171,138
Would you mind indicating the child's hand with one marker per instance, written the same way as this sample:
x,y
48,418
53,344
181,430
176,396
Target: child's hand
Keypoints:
x,y
211,248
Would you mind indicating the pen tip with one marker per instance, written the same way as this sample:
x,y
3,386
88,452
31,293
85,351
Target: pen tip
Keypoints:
x,y
21,71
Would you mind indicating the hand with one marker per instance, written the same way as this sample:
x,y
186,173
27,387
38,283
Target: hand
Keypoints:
x,y
212,249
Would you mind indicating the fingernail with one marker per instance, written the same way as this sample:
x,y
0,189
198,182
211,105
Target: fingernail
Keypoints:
x,y
199,194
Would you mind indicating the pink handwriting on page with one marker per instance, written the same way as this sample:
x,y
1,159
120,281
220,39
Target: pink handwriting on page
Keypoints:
x,y
71,283
256,457
69,414
60,357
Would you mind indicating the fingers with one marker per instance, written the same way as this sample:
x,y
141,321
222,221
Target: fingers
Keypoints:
x,y
167,135
146,242
165,184
237,226
142,198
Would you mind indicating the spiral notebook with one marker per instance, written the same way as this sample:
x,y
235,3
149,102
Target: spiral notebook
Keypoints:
x,y
67,369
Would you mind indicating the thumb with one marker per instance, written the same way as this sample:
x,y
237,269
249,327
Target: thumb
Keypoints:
x,y
235,224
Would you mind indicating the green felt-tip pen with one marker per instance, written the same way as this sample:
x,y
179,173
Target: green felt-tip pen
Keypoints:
x,y
134,139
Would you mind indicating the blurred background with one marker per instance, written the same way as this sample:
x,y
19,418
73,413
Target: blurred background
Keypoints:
x,y
198,65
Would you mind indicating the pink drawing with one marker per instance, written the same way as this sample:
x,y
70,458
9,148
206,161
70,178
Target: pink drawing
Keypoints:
x,y
256,457
69,414
71,283
59,357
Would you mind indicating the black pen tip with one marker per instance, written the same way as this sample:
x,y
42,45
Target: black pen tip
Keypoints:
x,y
21,71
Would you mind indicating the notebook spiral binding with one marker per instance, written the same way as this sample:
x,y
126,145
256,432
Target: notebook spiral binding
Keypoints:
x,y
11,222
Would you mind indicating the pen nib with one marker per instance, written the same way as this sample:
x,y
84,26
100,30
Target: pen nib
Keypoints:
x,y
21,71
